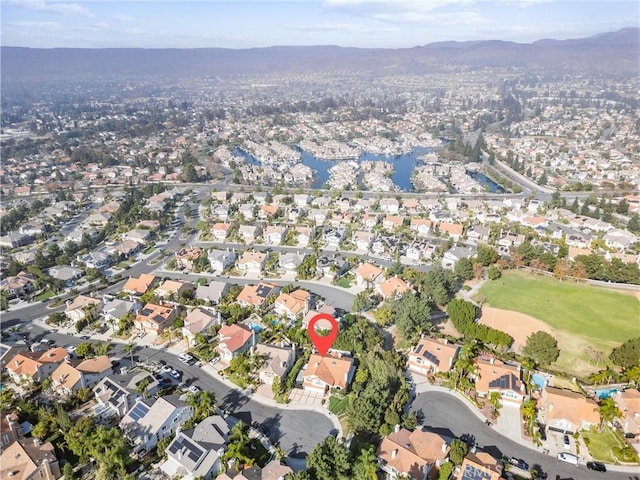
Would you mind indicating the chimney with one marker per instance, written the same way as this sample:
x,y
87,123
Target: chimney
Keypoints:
x,y
396,429
444,446
491,360
36,442
394,453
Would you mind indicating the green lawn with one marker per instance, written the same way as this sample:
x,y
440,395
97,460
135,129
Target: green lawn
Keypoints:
x,y
608,446
338,405
46,295
578,309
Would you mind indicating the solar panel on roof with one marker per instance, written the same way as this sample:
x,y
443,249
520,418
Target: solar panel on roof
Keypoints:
x,y
419,349
146,311
431,357
139,411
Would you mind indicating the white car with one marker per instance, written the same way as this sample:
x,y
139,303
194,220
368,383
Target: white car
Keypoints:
x,y
166,369
568,457
194,389
71,348
175,374
214,360
185,358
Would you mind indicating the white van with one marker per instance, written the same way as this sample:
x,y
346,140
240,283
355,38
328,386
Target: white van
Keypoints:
x,y
568,457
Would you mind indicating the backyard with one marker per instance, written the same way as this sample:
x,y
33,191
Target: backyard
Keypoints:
x,y
608,446
578,315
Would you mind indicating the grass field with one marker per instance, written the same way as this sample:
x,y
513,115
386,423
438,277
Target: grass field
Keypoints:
x,y
582,315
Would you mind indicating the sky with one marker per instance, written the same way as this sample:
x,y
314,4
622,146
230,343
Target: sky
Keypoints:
x,y
262,23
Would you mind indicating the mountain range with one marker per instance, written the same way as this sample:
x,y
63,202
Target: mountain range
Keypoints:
x,y
617,51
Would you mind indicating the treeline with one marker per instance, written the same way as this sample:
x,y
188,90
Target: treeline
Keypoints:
x,y
463,317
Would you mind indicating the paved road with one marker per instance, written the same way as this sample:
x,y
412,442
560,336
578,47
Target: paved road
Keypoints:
x,y
449,416
298,431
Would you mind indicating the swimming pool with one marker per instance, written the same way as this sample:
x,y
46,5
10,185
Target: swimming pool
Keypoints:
x,y
605,392
539,380
256,327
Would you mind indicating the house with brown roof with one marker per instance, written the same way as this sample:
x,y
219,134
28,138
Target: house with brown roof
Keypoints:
x,y
69,377
275,234
220,231
81,306
198,320
413,455
154,318
628,402
493,375
29,459
432,355
480,465
392,287
567,411
234,340
174,289
277,361
255,295
330,371
454,230
35,366
421,226
252,262
292,304
367,274
140,285
17,285
391,222
187,257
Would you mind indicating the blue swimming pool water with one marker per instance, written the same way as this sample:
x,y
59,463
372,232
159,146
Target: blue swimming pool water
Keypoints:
x,y
256,327
605,392
539,380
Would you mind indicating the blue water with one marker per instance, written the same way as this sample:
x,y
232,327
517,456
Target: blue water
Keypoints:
x,y
539,380
485,181
403,165
256,327
605,392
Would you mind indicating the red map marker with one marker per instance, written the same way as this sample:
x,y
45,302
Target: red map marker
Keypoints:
x,y
323,344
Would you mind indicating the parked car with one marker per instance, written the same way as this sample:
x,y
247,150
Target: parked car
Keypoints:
x,y
166,369
543,434
597,466
185,358
214,360
175,374
568,457
194,389
517,462
566,442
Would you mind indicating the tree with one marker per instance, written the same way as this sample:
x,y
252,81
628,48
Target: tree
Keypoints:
x,y
85,350
412,315
634,223
457,451
487,255
461,313
67,471
542,348
239,445
362,302
366,465
384,315
494,273
445,471
129,348
627,355
463,269
329,460
609,411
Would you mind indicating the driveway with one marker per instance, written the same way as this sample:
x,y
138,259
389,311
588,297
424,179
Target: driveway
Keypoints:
x,y
305,398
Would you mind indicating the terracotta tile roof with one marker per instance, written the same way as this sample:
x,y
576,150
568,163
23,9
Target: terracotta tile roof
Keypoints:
x,y
333,371
494,375
294,302
408,452
431,351
255,294
22,459
139,285
480,465
451,228
567,405
368,271
393,286
95,365
235,336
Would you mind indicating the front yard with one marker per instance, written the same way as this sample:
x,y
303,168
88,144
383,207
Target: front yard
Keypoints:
x,y
608,446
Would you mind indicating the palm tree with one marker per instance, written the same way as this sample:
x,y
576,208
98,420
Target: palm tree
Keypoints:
x,y
238,445
129,348
367,465
608,412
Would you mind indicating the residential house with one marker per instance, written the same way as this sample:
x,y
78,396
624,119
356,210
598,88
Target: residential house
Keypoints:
x,y
255,295
124,249
480,465
116,394
140,236
234,340
325,372
292,304
81,307
453,230
252,262
153,318
11,429
421,250
35,366
392,287
151,420
508,239
392,222
197,452
456,253
414,455
290,261
7,352
367,274
363,240
619,239
432,355
479,234
114,310
275,234
29,459
493,375
277,361
221,260
66,274
305,235
220,231
332,237
174,289
17,285
274,470
97,259
328,309
69,377
331,267
567,411
139,286
248,211
421,225
198,320
628,402
389,205
186,258
318,216
213,292
370,220
301,199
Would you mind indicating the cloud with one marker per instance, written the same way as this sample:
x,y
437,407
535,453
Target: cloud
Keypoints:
x,y
344,27
456,18
123,18
44,6
35,25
